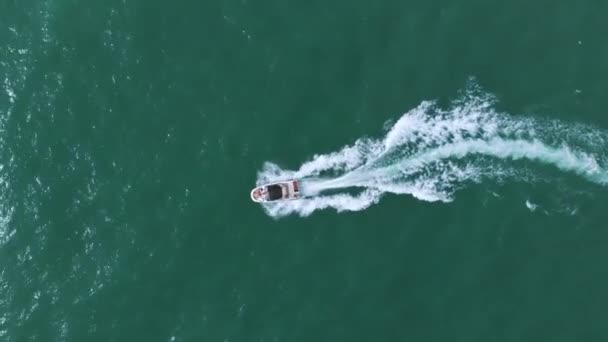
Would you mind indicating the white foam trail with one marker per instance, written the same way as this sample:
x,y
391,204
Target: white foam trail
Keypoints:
x,y
431,152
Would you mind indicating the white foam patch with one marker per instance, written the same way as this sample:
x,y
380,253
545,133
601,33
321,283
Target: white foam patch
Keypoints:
x,y
531,206
430,153
8,87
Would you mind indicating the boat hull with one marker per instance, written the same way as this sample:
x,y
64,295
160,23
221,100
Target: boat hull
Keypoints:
x,y
275,192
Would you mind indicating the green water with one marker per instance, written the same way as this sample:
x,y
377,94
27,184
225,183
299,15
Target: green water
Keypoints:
x,y
131,132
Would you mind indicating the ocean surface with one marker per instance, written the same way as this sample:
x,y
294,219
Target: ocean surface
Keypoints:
x,y
453,154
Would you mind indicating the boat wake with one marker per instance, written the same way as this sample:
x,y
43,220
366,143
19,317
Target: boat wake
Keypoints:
x,y
430,153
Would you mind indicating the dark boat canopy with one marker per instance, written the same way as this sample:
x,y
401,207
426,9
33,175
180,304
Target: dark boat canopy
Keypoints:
x,y
275,192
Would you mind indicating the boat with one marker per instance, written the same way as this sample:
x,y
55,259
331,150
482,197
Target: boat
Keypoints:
x,y
279,191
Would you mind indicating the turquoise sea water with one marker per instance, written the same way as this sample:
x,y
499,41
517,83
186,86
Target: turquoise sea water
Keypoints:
x,y
456,154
